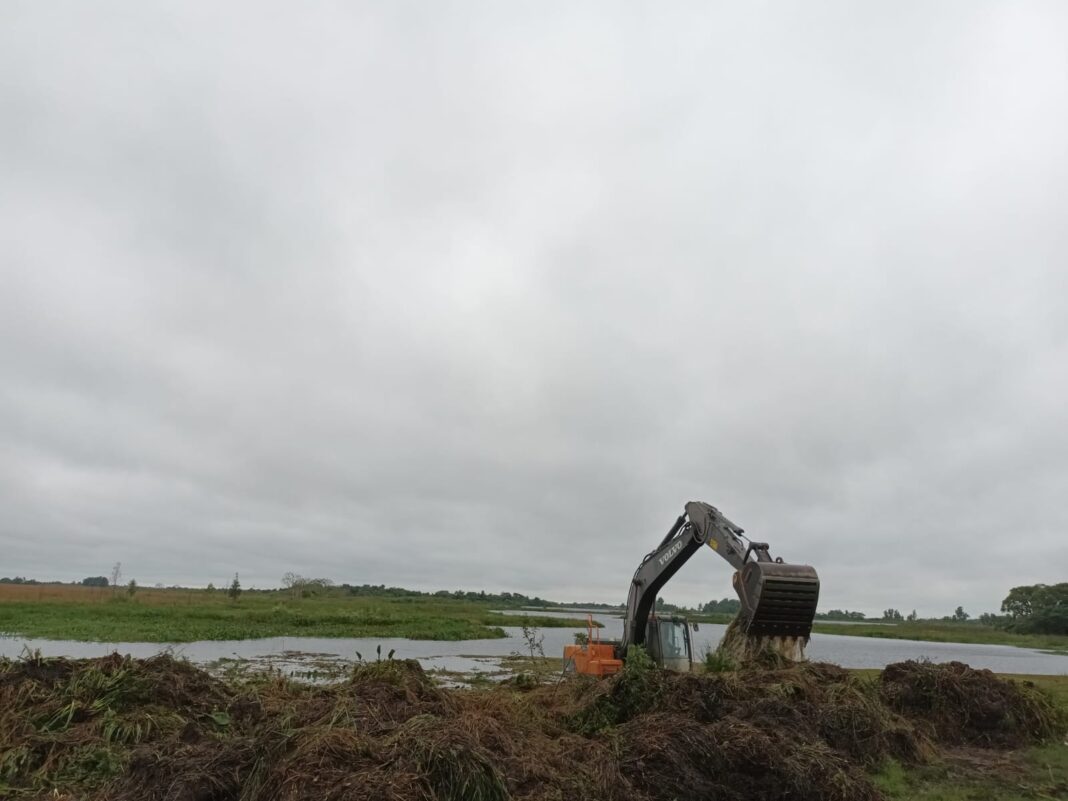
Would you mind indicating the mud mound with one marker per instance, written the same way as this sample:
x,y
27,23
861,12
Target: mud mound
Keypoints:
x,y
212,768
668,757
815,701
118,729
968,706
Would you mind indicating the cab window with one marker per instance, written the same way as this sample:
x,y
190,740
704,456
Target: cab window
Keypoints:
x,y
672,640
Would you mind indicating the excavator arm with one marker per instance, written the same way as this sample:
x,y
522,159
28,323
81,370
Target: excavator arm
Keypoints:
x,y
778,599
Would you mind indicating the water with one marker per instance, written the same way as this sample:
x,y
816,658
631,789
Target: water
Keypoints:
x,y
292,654
854,652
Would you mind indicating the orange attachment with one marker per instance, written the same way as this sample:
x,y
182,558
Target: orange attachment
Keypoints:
x,y
593,658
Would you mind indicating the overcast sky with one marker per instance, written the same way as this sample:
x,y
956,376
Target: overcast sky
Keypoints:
x,y
479,294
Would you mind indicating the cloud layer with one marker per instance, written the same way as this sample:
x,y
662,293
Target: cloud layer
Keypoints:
x,y
479,295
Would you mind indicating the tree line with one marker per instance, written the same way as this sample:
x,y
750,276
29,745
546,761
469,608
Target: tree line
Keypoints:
x,y
1037,609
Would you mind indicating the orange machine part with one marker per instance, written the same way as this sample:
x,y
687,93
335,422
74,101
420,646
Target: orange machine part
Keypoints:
x,y
593,658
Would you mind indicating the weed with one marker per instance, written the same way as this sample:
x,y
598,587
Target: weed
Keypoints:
x,y
716,661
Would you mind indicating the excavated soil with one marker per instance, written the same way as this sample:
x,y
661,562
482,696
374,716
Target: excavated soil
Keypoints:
x,y
117,728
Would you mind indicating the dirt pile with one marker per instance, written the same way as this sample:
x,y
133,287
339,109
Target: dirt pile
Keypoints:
x,y
960,704
160,729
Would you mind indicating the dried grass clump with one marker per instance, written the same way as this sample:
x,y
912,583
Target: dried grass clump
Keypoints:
x,y
969,706
79,723
668,757
120,729
738,649
212,768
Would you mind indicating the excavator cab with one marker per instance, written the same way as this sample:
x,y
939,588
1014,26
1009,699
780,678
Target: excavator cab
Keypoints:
x,y
668,641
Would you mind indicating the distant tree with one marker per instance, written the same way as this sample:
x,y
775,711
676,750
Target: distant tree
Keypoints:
x,y
211,587
724,606
235,589
131,588
892,615
1040,608
912,617
1019,602
840,614
293,582
116,574
95,581
960,615
302,587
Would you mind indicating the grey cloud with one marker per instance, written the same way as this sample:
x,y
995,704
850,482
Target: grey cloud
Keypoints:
x,y
478,295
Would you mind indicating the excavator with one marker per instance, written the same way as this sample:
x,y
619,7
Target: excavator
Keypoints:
x,y
777,599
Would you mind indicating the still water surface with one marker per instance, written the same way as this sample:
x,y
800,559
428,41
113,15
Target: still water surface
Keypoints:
x,y
295,653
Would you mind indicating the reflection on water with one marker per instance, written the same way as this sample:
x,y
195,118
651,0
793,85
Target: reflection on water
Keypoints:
x,y
287,653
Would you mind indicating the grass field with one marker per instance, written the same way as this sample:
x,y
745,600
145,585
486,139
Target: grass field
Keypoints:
x,y
1039,772
929,631
181,615
95,614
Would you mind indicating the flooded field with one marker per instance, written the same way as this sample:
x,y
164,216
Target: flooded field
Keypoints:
x,y
325,655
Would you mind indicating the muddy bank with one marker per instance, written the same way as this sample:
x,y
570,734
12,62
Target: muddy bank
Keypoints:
x,y
118,728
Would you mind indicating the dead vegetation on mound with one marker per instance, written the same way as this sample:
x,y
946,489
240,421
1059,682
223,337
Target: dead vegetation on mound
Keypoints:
x,y
120,729
971,707
738,648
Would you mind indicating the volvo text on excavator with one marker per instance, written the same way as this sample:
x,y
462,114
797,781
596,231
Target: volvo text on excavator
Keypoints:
x,y
777,599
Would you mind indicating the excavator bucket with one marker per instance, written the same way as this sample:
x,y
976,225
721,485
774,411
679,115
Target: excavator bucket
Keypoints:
x,y
778,600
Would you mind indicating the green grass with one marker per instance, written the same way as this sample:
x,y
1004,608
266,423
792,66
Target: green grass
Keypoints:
x,y
1040,772
926,631
929,631
211,616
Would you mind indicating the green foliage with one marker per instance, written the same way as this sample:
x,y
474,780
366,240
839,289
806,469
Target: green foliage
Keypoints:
x,y
633,690
95,581
717,661
201,615
1038,608
532,639
724,606
235,589
131,588
90,765
840,614
1034,773
499,599
948,631
893,615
